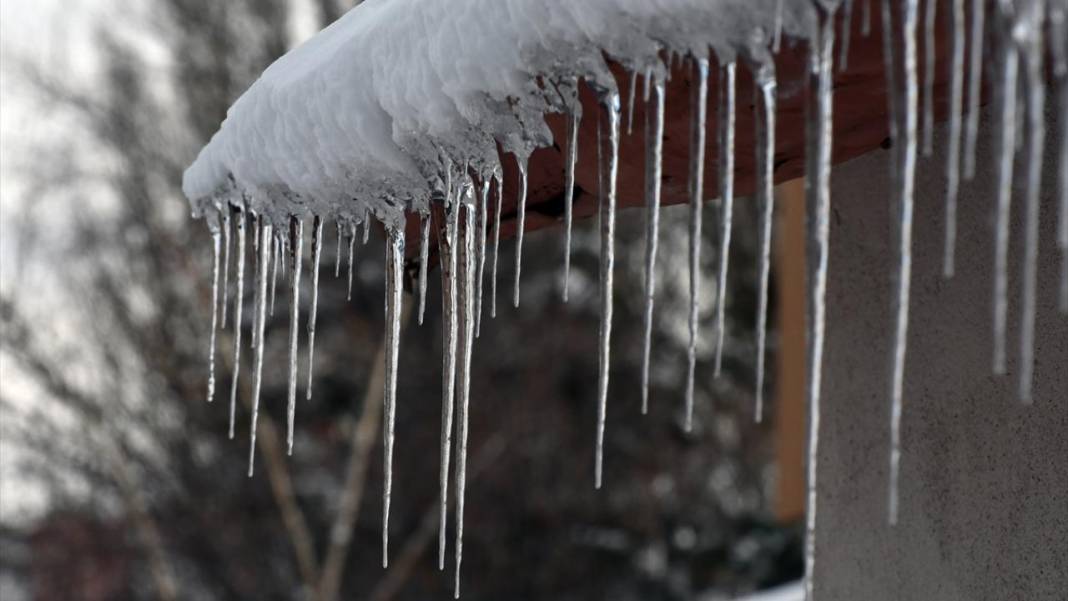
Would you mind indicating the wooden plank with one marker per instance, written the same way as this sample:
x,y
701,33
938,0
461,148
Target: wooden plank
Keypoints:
x,y
790,381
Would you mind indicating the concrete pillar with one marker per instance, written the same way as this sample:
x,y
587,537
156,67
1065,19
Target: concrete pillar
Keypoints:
x,y
984,479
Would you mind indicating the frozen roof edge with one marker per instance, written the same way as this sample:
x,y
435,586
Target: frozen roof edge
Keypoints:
x,y
374,110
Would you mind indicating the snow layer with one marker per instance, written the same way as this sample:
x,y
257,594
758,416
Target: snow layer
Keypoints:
x,y
374,109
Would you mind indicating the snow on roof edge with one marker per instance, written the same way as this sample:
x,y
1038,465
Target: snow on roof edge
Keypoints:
x,y
371,112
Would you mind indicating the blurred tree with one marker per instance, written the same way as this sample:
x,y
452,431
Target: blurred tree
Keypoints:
x,y
111,349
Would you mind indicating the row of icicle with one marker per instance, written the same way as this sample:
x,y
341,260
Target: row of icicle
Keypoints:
x,y
462,238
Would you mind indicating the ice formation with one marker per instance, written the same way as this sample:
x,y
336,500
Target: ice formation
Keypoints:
x,y
399,108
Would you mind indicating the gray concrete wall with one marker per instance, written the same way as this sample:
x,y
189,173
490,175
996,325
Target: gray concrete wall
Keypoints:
x,y
984,479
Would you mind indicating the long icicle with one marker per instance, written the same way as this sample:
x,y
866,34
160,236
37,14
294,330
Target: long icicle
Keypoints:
x,y
447,259
847,34
216,242
1035,87
257,221
424,258
480,252
283,248
352,257
466,306
765,162
608,242
239,298
337,255
317,248
654,145
698,115
890,74
496,243
1006,149
818,184
394,290
930,12
366,226
630,100
226,261
777,38
727,97
906,180
276,258
296,236
1058,42
569,191
521,209
261,320
956,99
975,86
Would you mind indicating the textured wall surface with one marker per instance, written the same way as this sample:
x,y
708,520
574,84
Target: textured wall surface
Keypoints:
x,y
984,479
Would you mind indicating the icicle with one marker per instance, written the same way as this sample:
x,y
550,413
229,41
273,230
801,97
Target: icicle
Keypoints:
x,y
282,248
928,76
654,144
630,101
956,99
975,86
889,72
257,222
907,107
424,258
226,261
480,252
1021,117
1006,149
366,226
352,256
467,308
261,319
818,188
847,31
1035,87
394,289
337,255
276,258
496,244
777,40
317,247
727,97
865,26
216,242
296,234
520,226
569,190
447,259
239,299
697,166
765,91
608,234
1058,42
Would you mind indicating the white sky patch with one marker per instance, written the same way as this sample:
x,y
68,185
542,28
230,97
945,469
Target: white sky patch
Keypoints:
x,y
57,38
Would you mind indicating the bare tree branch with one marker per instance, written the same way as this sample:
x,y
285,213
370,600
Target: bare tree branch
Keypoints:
x,y
145,525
